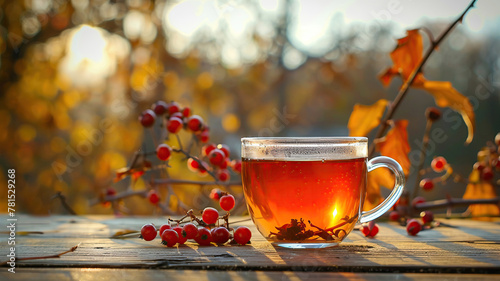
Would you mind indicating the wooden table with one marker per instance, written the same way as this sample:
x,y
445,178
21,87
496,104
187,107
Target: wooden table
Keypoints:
x,y
466,250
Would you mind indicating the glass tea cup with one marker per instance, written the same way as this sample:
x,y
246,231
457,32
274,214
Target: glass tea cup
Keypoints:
x,y
308,192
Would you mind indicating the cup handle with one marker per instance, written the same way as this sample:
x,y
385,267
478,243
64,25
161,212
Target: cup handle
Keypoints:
x,y
378,162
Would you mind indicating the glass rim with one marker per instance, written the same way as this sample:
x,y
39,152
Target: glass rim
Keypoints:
x,y
306,139
304,148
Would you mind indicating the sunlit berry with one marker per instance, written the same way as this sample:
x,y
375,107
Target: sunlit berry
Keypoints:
x,y
163,152
153,197
479,166
203,237
227,202
242,235
182,238
186,111
193,165
174,125
189,230
210,215
236,166
216,157
487,174
195,123
438,164
413,227
204,136
394,216
169,237
160,107
164,227
224,148
370,229
148,232
173,107
215,194
147,118
206,149
417,200
223,175
427,217
427,184
220,235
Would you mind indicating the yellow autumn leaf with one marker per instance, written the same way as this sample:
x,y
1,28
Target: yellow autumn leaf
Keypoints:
x,y
377,178
447,96
395,145
481,190
365,117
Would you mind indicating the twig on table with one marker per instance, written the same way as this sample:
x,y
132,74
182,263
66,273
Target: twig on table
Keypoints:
x,y
44,257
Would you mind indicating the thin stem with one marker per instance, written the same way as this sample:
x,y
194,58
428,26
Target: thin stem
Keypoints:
x,y
406,85
423,152
65,204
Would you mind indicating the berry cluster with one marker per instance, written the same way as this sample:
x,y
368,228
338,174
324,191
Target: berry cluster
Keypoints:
x,y
483,170
207,231
414,226
202,157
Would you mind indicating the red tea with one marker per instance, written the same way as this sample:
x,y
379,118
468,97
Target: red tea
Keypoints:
x,y
310,201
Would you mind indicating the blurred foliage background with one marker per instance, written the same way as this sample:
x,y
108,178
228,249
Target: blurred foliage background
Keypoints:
x,y
76,74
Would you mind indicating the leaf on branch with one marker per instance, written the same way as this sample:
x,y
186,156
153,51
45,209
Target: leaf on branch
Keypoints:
x,y
365,118
395,145
447,96
381,177
406,57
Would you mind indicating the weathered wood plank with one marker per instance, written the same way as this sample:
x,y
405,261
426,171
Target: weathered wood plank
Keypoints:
x,y
83,274
470,246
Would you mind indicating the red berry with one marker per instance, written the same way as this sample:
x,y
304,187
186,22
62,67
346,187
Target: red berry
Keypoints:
x,y
178,115
206,149
147,118
224,149
174,125
153,197
496,163
160,107
487,174
189,231
427,217
203,168
169,237
417,200
215,194
223,175
413,227
204,237
210,215
227,202
164,227
237,166
163,152
204,136
193,165
478,166
195,123
182,238
394,216
173,107
242,235
438,164
426,184
148,232
110,191
497,139
225,163
220,235
370,229
216,157
186,111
